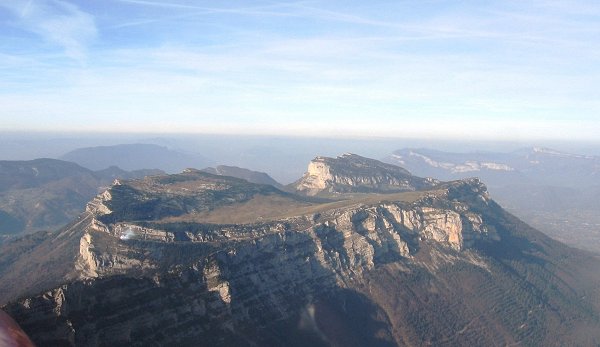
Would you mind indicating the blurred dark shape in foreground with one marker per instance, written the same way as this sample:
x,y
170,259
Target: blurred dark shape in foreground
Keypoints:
x,y
11,334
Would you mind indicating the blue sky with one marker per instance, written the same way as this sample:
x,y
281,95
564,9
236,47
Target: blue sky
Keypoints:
x,y
447,69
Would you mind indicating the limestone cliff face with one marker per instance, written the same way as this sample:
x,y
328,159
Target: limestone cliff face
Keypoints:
x,y
366,234
227,275
352,173
349,274
98,205
86,262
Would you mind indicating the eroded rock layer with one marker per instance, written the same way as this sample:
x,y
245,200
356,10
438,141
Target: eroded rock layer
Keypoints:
x,y
352,173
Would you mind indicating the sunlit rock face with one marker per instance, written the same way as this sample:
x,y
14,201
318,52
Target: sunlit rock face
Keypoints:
x,y
353,173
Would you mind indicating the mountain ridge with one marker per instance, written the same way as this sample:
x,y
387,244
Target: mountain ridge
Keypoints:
x,y
136,157
552,190
249,175
48,193
527,165
350,173
444,266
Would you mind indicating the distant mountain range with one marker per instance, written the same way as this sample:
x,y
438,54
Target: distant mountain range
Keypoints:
x,y
135,157
378,258
45,194
554,191
539,166
248,175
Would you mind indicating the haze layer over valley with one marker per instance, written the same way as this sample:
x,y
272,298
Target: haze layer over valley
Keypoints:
x,y
552,190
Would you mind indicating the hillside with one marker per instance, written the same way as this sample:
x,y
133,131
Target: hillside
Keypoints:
x,y
442,265
554,191
45,194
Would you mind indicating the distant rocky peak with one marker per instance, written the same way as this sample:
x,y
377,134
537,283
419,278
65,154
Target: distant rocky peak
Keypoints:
x,y
351,173
549,152
468,190
355,164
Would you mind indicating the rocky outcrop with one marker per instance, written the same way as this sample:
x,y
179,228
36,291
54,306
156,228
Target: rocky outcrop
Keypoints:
x,y
98,205
352,173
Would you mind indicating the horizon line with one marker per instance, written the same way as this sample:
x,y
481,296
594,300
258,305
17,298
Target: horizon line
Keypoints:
x,y
322,134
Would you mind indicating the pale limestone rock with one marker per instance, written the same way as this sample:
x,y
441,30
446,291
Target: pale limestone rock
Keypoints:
x,y
127,231
97,206
58,296
212,274
442,226
86,263
319,173
353,173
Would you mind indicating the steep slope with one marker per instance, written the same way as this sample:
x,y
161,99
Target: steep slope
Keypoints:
x,y
45,194
554,191
351,173
248,175
444,266
34,173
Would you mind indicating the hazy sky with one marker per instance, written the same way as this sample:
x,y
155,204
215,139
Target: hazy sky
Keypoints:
x,y
456,69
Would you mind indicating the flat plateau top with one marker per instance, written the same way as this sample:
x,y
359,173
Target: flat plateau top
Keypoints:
x,y
262,208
